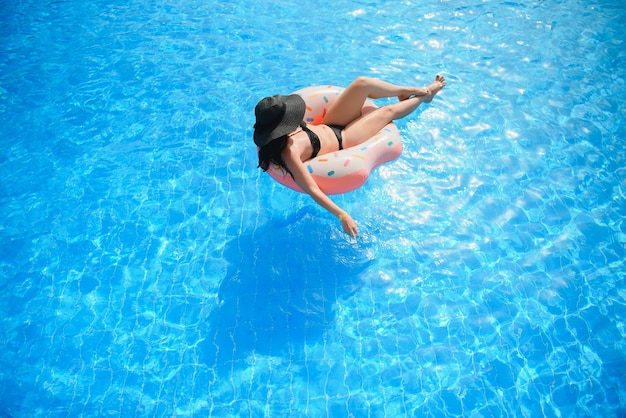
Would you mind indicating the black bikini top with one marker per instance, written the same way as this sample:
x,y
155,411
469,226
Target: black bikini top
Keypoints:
x,y
315,140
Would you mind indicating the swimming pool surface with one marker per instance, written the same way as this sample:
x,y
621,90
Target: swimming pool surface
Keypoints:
x,y
148,268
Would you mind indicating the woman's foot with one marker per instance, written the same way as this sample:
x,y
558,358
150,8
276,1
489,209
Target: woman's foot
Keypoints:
x,y
434,88
430,92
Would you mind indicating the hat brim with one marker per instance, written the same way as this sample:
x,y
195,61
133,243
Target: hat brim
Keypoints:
x,y
294,114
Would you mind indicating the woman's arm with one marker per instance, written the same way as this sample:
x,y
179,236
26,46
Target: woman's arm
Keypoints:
x,y
304,179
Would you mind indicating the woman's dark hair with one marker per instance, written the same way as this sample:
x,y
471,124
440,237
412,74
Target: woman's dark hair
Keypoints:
x,y
270,153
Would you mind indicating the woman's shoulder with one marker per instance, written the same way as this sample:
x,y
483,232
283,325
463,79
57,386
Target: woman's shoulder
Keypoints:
x,y
295,147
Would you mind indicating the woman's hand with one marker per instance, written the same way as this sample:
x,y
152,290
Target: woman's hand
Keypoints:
x,y
348,225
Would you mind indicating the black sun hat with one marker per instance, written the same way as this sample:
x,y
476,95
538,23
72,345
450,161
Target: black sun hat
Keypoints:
x,y
277,116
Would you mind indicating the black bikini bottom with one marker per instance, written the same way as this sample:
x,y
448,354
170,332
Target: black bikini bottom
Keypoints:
x,y
337,131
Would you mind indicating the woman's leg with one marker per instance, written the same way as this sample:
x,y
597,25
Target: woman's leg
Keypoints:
x,y
348,106
363,128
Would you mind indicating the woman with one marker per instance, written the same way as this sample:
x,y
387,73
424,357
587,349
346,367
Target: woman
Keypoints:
x,y
285,139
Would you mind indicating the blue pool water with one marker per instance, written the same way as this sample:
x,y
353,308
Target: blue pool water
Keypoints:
x,y
147,267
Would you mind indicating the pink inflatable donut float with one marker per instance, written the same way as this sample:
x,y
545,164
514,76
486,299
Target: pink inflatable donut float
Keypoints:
x,y
346,170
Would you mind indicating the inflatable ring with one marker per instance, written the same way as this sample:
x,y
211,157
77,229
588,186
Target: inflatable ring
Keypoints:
x,y
346,170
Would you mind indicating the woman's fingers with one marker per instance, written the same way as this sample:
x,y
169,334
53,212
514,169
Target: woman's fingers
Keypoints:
x,y
349,227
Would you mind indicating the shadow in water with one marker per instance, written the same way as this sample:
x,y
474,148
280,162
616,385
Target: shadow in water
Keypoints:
x,y
281,284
